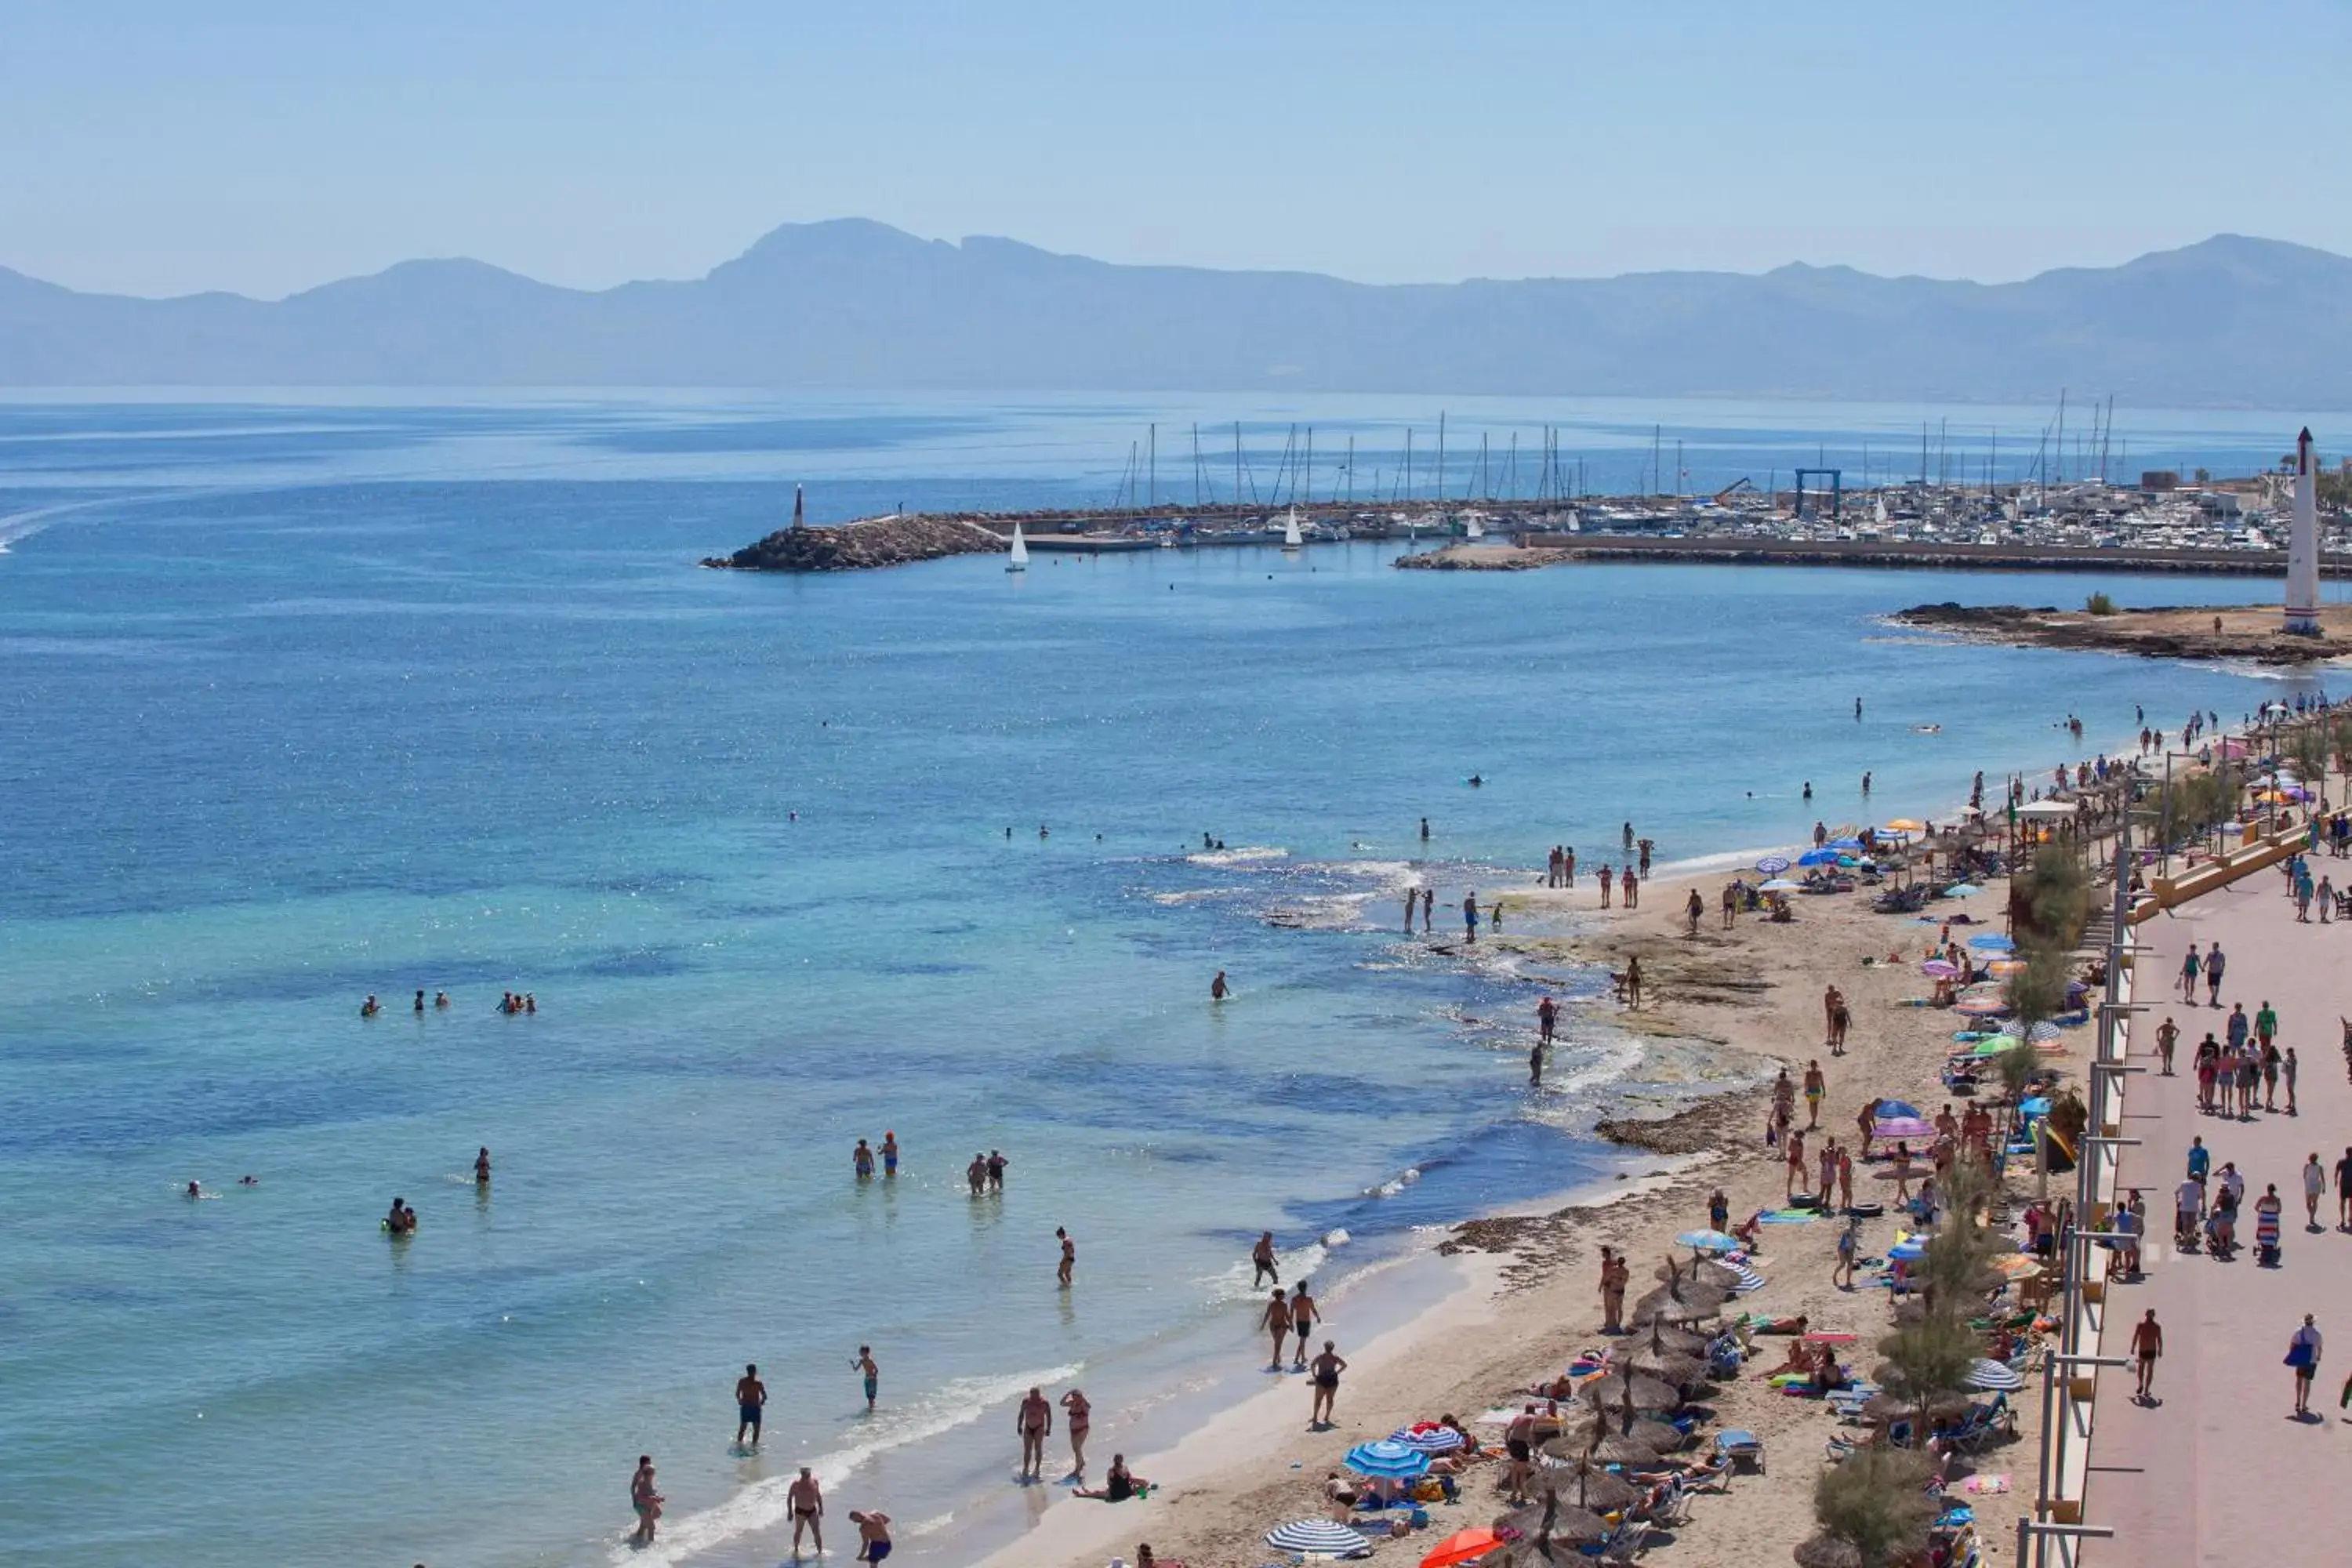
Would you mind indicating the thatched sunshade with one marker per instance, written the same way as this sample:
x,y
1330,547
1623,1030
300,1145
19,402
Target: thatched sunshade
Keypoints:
x,y
1588,1485
1682,1371
1608,1447
1645,1393
1661,1436
1826,1551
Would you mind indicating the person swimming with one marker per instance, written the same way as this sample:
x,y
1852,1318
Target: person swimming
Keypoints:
x,y
371,1007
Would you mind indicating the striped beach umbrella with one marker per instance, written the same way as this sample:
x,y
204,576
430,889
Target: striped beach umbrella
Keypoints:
x,y
1748,1281
1428,1438
1773,865
1996,1377
1316,1537
1388,1459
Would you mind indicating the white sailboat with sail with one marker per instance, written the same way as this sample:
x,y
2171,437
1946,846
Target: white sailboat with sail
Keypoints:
x,y
1017,558
1291,538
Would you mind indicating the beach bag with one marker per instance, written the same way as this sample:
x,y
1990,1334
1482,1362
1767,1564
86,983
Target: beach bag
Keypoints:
x,y
2298,1355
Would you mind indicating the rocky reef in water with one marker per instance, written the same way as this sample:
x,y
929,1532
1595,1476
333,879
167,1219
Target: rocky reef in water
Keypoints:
x,y
862,546
2251,632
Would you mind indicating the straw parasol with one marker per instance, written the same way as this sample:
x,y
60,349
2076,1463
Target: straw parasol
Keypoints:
x,y
1592,1487
1668,1366
1663,1436
1607,1447
1826,1551
1643,1392
1657,1336
1565,1525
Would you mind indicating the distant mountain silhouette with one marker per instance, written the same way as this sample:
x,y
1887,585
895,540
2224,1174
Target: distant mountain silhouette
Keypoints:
x,y
855,304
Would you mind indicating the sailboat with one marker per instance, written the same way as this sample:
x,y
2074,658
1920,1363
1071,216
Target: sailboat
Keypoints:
x,y
1017,559
1291,538
1472,527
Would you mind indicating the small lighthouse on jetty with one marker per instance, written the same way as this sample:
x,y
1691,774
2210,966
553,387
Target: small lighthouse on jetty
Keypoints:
x,y
2303,544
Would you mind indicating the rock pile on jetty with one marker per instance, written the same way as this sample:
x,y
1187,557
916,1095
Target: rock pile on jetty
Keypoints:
x,y
858,546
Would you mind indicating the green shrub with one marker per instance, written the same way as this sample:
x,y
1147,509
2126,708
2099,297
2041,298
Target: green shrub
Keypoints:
x,y
2099,605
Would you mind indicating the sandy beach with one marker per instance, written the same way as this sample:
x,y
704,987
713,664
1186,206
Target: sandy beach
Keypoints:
x,y
1528,1301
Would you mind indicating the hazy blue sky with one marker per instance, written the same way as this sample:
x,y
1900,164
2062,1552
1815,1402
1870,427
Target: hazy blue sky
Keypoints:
x,y
162,147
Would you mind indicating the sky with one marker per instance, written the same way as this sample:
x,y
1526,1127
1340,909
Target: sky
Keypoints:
x,y
154,147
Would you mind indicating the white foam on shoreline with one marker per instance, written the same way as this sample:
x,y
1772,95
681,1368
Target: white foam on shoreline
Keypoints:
x,y
763,1504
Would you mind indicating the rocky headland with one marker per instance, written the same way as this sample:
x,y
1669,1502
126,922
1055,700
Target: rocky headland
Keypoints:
x,y
2251,632
860,546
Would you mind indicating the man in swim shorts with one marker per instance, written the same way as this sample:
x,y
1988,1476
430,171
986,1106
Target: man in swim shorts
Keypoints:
x,y
806,1499
750,1395
889,1155
865,1364
872,1534
1304,1314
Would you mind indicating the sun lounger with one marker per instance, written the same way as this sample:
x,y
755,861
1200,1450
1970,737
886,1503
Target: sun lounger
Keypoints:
x,y
1741,1447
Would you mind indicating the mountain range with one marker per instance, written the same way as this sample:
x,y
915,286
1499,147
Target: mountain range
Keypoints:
x,y
851,304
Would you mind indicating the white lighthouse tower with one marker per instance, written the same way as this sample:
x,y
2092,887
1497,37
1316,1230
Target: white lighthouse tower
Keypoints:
x,y
2303,544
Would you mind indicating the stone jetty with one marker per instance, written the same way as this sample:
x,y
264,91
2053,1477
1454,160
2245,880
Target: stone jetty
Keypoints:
x,y
859,546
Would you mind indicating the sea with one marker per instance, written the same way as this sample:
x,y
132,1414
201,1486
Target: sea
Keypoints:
x,y
308,697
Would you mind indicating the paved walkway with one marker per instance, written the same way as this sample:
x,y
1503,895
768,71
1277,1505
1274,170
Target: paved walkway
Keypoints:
x,y
2218,1471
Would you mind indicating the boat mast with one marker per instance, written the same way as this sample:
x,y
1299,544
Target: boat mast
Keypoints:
x,y
1408,466
1309,465
1439,488
1152,435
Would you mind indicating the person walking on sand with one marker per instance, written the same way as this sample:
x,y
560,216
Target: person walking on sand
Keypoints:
x,y
1304,1313
1607,881
1610,1309
1796,1162
1263,1261
2215,962
1631,889
2303,1358
1827,1161
1326,1370
2288,1071
751,1399
863,1365
1693,912
645,1501
2315,1188
1845,1179
2167,1037
2148,1345
1034,1422
1849,1250
1633,981
806,1499
1069,1255
1081,1418
1815,1087
2190,966
1730,905
1275,1320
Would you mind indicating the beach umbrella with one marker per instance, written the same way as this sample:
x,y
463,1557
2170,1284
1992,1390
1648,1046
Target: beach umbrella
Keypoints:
x,y
2039,1034
1773,865
1707,1241
1890,1108
1388,1459
1818,858
1429,1438
1901,1129
1996,1377
1608,1447
1939,969
1555,1518
1748,1281
1992,941
1699,1297
1962,891
1316,1537
1780,885
1826,1551
2003,968
1849,845
1648,1393
1907,1251
1461,1546
2015,1266
1906,825
1669,1366
1587,1485
1981,1006
1659,1437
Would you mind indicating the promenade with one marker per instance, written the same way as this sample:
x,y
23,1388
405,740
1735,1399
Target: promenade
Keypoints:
x,y
2217,1470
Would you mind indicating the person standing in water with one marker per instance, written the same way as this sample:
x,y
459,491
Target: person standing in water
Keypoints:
x,y
1081,1416
861,1160
1424,830
806,1499
645,1500
1263,1260
1428,907
750,1400
1069,1255
872,1534
420,1004
863,1363
1411,902
1034,1422
1608,881
889,1154
1218,989
1470,916
1304,1315
482,1167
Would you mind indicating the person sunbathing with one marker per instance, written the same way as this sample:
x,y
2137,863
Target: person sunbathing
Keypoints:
x,y
1117,1485
1796,1325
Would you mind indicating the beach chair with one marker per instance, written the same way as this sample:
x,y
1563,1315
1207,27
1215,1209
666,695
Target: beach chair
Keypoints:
x,y
1672,1509
1622,1545
1741,1447
1711,1475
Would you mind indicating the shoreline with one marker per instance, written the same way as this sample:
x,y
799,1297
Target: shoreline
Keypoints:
x,y
1527,1301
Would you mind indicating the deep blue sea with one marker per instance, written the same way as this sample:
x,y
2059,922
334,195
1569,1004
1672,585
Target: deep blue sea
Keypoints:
x,y
303,700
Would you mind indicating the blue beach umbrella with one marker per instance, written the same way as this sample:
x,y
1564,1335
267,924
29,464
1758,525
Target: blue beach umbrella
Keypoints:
x,y
1992,941
1707,1241
1388,1459
1773,865
1320,1537
1818,858
1995,1377
1896,1110
1851,846
1907,1251
1962,891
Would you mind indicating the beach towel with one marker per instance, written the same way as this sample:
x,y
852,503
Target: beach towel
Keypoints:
x,y
1787,1217
1985,1486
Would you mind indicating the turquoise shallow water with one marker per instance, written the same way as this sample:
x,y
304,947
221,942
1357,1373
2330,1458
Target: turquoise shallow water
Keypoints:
x,y
298,704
